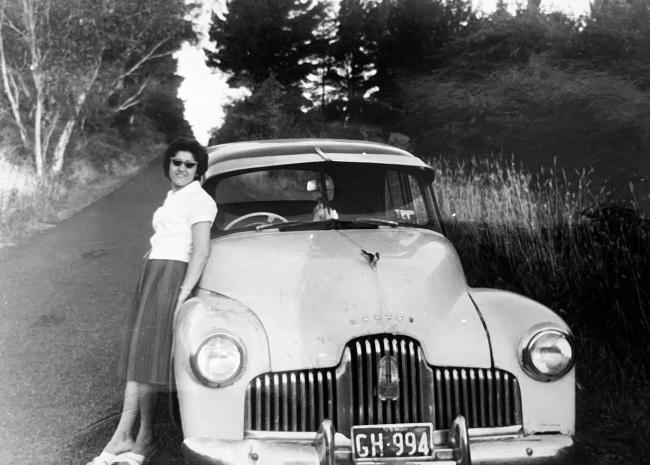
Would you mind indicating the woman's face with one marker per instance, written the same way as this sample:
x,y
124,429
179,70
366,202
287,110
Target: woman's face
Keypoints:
x,y
182,169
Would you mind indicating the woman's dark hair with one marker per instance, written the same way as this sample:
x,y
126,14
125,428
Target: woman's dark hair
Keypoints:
x,y
183,144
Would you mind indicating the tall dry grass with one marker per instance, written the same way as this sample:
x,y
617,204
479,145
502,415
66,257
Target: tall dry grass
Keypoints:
x,y
564,243
554,239
25,199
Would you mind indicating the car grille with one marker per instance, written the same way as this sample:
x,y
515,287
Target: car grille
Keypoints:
x,y
348,394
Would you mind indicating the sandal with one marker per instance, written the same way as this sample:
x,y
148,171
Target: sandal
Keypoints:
x,y
105,458
131,458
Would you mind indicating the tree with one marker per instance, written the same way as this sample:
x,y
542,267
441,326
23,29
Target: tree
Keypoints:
x,y
614,38
502,39
410,35
45,45
140,41
271,111
352,50
163,107
53,54
257,39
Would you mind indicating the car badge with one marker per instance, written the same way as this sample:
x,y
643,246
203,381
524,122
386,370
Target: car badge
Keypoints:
x,y
388,377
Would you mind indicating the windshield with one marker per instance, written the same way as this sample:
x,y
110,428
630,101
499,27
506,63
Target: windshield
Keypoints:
x,y
323,195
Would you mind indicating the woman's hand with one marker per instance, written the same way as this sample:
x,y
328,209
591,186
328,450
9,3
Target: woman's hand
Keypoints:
x,y
183,295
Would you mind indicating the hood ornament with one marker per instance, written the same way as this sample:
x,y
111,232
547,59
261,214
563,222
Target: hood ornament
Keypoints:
x,y
372,258
388,378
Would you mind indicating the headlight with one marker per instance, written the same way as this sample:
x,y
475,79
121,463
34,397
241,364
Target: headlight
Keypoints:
x,y
546,354
218,360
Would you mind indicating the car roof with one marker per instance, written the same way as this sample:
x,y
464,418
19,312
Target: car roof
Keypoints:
x,y
239,156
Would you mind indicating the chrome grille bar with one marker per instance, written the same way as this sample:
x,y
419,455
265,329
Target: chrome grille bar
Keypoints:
x,y
303,402
268,415
285,402
331,399
473,411
360,385
506,396
348,394
499,403
490,394
275,388
403,406
293,389
413,379
311,414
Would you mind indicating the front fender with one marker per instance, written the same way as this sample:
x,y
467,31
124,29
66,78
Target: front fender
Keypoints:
x,y
211,412
546,406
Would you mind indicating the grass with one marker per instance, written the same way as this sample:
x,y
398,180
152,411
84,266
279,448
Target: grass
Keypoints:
x,y
563,243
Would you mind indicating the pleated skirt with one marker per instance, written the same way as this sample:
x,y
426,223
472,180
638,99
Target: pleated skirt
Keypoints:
x,y
146,356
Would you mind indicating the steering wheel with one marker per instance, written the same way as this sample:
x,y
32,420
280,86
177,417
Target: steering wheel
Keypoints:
x,y
270,219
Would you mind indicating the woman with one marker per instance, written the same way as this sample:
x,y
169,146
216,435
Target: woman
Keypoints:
x,y
179,250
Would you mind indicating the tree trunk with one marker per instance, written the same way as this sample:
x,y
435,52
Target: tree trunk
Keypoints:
x,y
66,132
533,6
62,145
37,76
11,89
39,156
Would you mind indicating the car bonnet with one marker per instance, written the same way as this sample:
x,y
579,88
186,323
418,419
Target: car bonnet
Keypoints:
x,y
315,290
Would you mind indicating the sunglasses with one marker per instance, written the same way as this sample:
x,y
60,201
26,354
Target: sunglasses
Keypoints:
x,y
188,164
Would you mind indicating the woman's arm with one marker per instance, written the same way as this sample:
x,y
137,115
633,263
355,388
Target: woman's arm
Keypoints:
x,y
198,259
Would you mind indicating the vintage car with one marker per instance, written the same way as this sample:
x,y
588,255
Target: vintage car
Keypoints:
x,y
333,324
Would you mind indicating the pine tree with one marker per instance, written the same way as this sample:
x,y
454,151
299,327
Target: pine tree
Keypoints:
x,y
353,51
259,39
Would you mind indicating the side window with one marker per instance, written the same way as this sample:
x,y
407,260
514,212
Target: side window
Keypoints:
x,y
418,201
404,198
435,213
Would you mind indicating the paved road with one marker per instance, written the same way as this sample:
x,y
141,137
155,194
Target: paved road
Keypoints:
x,y
63,299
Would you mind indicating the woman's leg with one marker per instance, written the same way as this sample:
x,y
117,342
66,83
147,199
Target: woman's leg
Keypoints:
x,y
122,439
147,401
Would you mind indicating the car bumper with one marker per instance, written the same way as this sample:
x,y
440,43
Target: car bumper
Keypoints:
x,y
327,448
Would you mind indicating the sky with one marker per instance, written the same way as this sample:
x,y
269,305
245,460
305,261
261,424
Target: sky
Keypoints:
x,y
204,91
571,7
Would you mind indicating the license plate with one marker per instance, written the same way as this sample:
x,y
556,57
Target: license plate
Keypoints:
x,y
413,440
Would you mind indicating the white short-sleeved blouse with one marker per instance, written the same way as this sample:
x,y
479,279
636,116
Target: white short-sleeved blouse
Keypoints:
x,y
172,222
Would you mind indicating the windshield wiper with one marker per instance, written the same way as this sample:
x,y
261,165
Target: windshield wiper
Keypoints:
x,y
364,223
377,221
262,227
